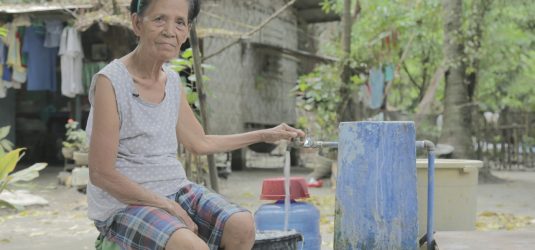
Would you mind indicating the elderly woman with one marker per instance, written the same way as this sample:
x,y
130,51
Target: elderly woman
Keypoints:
x,y
139,196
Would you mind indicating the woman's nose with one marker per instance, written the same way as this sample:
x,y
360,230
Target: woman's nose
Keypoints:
x,y
169,30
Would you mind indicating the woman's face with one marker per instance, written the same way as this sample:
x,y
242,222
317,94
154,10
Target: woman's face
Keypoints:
x,y
163,28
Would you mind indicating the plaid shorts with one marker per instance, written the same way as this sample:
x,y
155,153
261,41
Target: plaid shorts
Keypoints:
x,y
143,227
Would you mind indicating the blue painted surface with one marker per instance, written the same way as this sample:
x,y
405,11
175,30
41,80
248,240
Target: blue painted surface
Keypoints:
x,y
430,198
304,218
376,205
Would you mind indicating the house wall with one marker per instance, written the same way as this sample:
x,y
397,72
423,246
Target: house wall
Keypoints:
x,y
250,84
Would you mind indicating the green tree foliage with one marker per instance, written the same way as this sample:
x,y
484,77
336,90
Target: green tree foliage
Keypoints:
x,y
184,66
418,22
507,73
318,93
505,51
400,21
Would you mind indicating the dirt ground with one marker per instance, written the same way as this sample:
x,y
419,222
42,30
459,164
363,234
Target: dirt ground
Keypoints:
x,y
63,223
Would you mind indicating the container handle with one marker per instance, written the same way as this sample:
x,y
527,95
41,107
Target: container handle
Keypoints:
x,y
466,170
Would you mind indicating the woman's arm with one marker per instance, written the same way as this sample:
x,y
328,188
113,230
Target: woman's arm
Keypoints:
x,y
192,135
103,153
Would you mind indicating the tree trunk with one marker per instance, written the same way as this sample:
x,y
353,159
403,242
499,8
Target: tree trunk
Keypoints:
x,y
456,129
212,170
347,107
479,9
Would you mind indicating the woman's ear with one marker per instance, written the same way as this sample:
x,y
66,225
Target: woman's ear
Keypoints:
x,y
136,23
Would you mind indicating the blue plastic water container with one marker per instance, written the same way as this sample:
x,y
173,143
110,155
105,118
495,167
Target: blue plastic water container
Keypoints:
x,y
303,217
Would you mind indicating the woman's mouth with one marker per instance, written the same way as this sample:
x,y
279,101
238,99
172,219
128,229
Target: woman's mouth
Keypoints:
x,y
167,45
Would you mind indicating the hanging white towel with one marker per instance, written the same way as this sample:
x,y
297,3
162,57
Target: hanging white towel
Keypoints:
x,y
71,52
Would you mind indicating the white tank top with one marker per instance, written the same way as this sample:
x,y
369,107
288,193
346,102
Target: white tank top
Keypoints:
x,y
147,152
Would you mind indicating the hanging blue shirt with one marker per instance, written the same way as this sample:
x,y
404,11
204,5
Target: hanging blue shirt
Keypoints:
x,y
6,75
6,72
389,72
2,52
41,61
377,82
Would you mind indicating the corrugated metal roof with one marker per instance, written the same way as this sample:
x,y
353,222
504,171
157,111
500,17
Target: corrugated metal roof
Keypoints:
x,y
75,2
29,8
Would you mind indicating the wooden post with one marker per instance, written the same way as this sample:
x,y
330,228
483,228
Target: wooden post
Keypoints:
x,y
525,145
78,111
503,154
490,137
212,171
187,164
376,204
531,152
479,136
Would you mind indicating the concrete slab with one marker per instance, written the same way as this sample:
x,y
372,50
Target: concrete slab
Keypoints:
x,y
511,240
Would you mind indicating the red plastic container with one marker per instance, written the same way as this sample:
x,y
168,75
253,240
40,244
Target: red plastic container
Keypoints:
x,y
273,188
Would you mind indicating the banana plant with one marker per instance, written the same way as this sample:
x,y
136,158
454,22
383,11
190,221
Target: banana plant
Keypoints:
x,y
8,161
7,165
5,145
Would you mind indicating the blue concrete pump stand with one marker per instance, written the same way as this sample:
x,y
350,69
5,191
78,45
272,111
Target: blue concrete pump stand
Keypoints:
x,y
376,205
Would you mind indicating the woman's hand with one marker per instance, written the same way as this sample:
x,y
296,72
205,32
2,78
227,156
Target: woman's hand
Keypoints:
x,y
176,210
281,132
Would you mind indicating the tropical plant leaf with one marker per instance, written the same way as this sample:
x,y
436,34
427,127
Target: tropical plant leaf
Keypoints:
x,y
192,97
7,204
29,173
207,67
182,62
192,78
4,131
4,182
187,53
7,145
8,162
178,68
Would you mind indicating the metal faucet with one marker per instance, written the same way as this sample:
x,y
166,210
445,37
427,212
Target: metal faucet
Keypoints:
x,y
310,142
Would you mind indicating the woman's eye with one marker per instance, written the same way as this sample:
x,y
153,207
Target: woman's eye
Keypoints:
x,y
158,20
180,24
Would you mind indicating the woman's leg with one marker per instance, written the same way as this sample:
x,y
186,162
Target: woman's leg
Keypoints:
x,y
185,239
143,227
221,224
239,232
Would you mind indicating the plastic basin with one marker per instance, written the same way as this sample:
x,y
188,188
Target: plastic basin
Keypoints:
x,y
273,188
455,194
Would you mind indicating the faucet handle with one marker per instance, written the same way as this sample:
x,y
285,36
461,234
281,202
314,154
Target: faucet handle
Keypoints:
x,y
299,143
296,143
309,140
